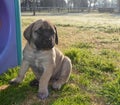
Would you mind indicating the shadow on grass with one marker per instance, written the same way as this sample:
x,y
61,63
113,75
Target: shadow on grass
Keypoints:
x,y
24,94
14,95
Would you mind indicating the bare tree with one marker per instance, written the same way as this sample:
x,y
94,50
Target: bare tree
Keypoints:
x,y
92,2
78,3
118,2
46,3
21,1
53,3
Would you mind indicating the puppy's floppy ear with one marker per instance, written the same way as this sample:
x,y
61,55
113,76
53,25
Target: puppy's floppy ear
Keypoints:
x,y
28,32
56,35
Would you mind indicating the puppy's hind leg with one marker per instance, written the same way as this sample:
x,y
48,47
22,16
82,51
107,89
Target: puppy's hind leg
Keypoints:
x,y
64,74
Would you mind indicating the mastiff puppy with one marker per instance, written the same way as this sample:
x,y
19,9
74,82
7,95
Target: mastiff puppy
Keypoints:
x,y
47,62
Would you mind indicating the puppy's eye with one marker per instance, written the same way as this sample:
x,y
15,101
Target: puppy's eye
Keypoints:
x,y
39,31
51,31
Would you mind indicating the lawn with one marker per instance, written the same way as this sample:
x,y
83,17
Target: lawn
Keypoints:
x,y
92,41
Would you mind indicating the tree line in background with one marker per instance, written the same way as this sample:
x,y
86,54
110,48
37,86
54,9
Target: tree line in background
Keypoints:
x,y
89,4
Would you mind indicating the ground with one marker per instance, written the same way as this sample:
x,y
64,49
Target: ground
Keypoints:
x,y
92,42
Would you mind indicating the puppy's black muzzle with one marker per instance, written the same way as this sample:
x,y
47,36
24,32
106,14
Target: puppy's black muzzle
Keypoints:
x,y
45,43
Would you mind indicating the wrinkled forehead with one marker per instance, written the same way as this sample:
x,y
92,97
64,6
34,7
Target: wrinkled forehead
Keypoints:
x,y
43,24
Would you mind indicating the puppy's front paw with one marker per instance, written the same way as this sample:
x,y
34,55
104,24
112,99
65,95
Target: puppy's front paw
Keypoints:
x,y
42,95
14,81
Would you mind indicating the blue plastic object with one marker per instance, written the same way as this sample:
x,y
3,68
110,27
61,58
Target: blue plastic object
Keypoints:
x,y
10,34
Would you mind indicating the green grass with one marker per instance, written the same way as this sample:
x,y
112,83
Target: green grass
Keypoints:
x,y
92,42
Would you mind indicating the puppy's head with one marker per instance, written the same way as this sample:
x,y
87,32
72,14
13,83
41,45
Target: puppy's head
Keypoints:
x,y
41,35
